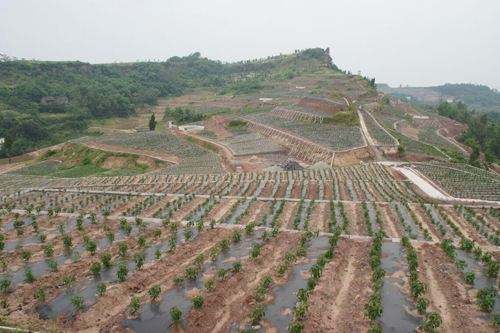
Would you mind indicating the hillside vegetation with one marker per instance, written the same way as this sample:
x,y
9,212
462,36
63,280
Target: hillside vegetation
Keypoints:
x,y
478,97
43,103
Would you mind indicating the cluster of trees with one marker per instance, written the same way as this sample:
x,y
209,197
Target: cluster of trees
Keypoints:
x,y
182,115
42,103
479,97
483,132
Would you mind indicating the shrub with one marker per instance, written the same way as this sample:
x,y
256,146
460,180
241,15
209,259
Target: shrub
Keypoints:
x,y
48,250
101,289
122,272
122,249
374,309
198,301
191,273
236,267
486,299
40,295
139,259
257,314
236,236
255,251
106,259
29,277
175,314
4,285
157,254
422,304
469,278
135,305
77,302
209,284
432,322
154,292
95,268
52,264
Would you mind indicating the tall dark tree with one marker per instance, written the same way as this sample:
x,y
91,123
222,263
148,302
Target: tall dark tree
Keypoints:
x,y
152,122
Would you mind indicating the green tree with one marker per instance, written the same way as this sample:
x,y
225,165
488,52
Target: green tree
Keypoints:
x,y
152,122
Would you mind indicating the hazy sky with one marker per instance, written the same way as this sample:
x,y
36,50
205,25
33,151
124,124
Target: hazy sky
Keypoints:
x,y
416,42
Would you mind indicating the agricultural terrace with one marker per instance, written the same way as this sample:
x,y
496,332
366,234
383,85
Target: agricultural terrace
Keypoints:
x,y
191,158
379,134
212,251
252,143
463,181
334,137
189,246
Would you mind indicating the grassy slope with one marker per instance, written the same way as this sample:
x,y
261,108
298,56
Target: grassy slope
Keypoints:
x,y
79,161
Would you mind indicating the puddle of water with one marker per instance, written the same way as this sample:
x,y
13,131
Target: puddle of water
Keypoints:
x,y
412,230
372,216
61,305
436,217
480,280
279,313
352,192
156,317
395,318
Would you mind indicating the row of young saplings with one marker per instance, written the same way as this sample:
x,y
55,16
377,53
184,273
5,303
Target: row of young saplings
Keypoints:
x,y
480,224
300,309
381,181
105,261
89,244
486,296
122,270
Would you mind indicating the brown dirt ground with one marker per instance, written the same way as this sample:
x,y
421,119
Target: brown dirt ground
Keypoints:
x,y
286,218
112,308
426,222
312,191
320,217
465,227
391,226
447,293
328,190
232,300
256,211
336,304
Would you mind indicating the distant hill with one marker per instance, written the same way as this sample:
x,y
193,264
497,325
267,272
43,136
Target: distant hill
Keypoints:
x,y
47,102
479,97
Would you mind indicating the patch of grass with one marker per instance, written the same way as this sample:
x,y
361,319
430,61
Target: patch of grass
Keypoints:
x,y
237,126
343,118
75,161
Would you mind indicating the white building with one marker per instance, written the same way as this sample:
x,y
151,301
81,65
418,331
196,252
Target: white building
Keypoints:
x,y
2,140
191,128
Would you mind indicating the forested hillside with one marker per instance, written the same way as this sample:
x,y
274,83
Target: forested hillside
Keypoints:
x,y
43,103
478,97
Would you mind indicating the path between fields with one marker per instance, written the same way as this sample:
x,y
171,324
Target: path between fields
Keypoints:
x,y
368,138
452,141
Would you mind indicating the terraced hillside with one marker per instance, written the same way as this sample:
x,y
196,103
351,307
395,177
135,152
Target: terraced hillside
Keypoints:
x,y
285,212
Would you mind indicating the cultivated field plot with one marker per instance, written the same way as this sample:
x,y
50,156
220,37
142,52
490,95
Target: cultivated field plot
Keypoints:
x,y
330,136
236,252
251,144
154,141
193,159
463,181
380,135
